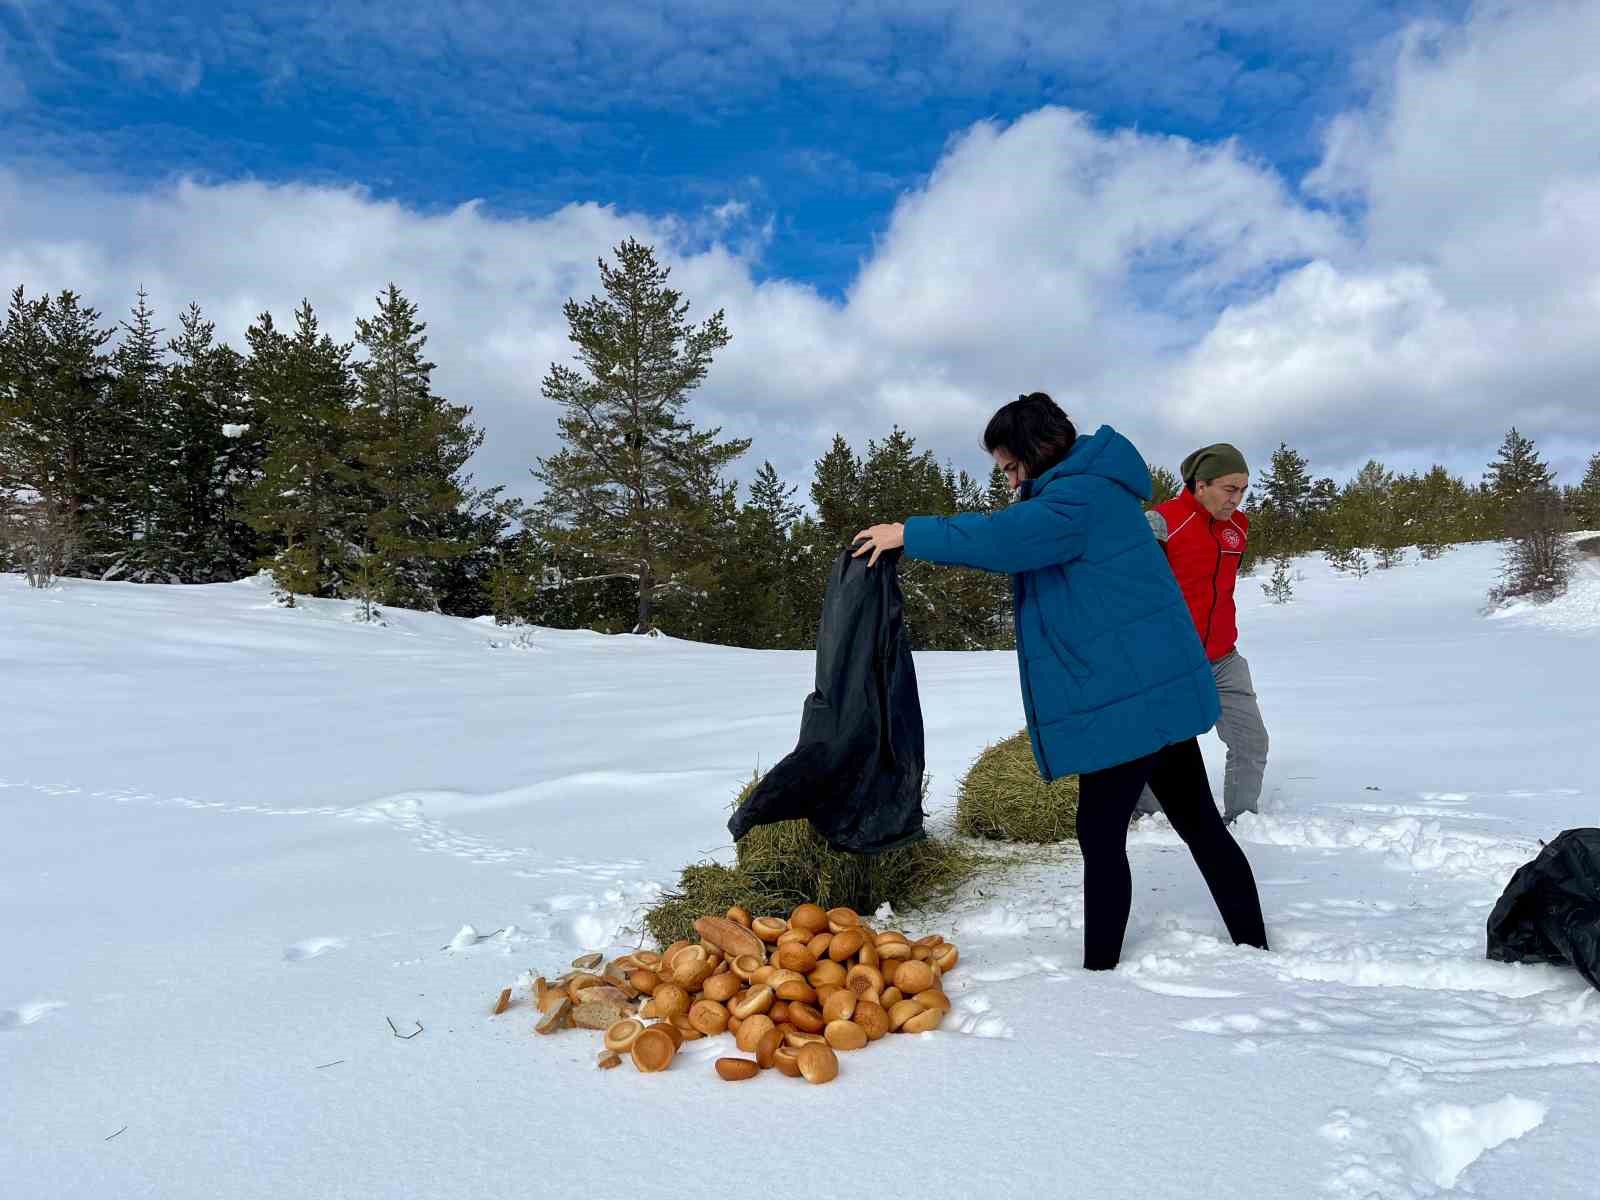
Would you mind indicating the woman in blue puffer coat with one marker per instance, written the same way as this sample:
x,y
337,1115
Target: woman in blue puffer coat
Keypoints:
x,y
1115,683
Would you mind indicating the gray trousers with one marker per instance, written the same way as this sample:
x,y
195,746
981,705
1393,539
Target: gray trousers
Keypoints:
x,y
1241,729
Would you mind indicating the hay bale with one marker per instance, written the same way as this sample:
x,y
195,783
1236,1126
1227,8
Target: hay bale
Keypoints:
x,y
1004,798
785,864
704,889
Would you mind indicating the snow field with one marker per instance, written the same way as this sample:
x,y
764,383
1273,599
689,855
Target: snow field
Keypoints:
x,y
237,841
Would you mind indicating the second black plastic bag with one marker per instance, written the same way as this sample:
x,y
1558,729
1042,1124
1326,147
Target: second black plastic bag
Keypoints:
x,y
1550,911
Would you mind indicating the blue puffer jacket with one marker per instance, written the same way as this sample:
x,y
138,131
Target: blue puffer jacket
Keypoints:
x,y
1112,668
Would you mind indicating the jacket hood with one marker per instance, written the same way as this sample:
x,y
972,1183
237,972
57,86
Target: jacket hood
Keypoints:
x,y
1105,453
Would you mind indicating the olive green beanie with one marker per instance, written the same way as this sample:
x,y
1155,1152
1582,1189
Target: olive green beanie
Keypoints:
x,y
1213,462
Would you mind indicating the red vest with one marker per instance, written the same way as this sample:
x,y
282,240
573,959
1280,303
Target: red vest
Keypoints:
x,y
1205,555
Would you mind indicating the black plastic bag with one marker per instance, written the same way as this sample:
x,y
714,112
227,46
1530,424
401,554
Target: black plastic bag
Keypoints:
x,y
856,773
1550,911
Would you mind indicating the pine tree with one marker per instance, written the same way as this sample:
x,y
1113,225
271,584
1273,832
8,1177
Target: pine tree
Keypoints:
x,y
815,547
1287,483
838,496
772,501
55,467
512,572
635,491
838,492
751,602
1586,497
409,448
1516,472
306,501
999,493
1439,512
947,608
1285,508
38,530
1280,588
137,472
898,482
1319,512
215,440
1348,560
1164,485
1352,520
1379,513
984,596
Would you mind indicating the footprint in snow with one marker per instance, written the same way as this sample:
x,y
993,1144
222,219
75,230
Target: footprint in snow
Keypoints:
x,y
971,1016
1431,1149
1446,1139
312,948
27,1014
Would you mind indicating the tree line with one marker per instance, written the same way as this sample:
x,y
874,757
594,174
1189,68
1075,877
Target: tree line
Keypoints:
x,y
1375,519
339,470
184,461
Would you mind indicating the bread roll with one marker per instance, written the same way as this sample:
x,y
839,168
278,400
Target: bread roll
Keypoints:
x,y
756,1000
843,918
622,1035
845,1035
805,1017
818,1063
903,1012
787,1060
912,977
671,1000
751,1031
796,956
734,1069
872,1018
828,974
653,1050
846,944
709,1017
864,979
767,1047
809,917
840,1006
768,929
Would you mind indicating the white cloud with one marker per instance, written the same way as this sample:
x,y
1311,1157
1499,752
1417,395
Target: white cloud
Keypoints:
x,y
1183,292
1007,271
1471,298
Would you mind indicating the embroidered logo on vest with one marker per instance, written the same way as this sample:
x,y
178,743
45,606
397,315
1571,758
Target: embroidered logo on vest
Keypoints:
x,y
1231,538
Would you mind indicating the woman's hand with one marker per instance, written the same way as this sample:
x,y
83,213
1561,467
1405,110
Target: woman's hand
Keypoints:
x,y
878,539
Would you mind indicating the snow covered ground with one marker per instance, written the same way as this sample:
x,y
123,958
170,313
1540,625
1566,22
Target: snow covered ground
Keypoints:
x,y
235,841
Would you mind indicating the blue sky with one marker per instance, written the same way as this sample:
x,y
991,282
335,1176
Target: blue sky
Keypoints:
x,y
815,121
1365,228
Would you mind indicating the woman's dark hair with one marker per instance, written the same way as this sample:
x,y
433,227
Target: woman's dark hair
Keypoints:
x,y
1034,428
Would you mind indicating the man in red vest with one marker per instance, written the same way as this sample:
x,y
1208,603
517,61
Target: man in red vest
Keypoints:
x,y
1204,536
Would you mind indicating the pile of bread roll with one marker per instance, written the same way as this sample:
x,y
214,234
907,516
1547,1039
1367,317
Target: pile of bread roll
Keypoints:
x,y
793,992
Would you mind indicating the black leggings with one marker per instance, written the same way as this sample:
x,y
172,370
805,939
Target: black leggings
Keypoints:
x,y
1106,799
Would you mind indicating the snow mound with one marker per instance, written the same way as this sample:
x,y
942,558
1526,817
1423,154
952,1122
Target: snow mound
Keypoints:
x,y
1449,1138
